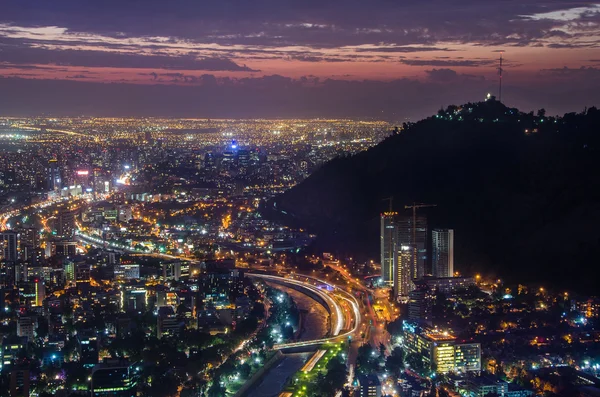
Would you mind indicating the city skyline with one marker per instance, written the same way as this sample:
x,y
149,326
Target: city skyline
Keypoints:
x,y
341,59
299,198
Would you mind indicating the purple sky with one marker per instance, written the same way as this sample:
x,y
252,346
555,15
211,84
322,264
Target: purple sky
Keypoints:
x,y
387,59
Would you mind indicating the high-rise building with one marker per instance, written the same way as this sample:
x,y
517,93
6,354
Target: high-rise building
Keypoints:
x,y
243,158
26,327
29,241
69,270
82,272
40,292
88,349
406,233
420,301
167,322
133,298
403,282
63,248
442,252
209,161
8,245
54,177
66,223
389,246
19,382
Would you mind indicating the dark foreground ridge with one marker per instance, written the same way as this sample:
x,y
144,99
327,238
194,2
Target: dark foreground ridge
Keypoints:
x,y
521,190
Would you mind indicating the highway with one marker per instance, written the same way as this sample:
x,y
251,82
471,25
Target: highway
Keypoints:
x,y
375,332
336,299
97,242
6,216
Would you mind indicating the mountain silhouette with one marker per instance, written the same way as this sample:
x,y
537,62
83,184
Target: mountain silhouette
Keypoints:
x,y
521,190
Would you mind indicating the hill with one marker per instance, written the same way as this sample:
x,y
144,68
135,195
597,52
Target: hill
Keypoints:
x,y
521,190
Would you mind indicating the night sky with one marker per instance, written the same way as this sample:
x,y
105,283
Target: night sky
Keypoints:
x,y
390,59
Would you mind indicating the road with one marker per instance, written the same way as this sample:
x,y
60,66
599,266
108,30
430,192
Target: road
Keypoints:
x,y
17,212
315,318
333,298
374,326
97,242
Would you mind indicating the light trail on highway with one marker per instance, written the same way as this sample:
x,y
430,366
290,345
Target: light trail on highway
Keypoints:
x,y
119,247
331,301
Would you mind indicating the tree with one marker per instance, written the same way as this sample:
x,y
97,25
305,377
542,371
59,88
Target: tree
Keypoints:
x,y
395,362
415,362
367,359
216,390
335,378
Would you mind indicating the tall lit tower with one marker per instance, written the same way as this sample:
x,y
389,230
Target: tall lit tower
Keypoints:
x,y
403,272
442,252
54,178
389,246
412,232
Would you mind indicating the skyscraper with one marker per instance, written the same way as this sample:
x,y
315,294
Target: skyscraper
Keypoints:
x,y
419,303
406,233
8,245
54,178
28,241
389,246
403,282
443,252
66,223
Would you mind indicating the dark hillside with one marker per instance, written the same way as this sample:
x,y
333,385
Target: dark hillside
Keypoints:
x,y
522,192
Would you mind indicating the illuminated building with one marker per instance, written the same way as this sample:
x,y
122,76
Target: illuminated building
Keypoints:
x,y
8,243
69,270
389,246
486,384
54,177
11,349
127,271
82,272
26,327
167,322
28,242
133,298
403,282
439,350
115,380
88,349
53,358
26,294
167,298
66,223
442,252
420,301
64,248
175,270
406,234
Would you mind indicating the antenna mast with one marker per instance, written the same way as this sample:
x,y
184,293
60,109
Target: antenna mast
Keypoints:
x,y
500,70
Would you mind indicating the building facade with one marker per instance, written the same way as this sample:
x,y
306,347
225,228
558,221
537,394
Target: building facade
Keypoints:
x,y
439,350
442,258
389,246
